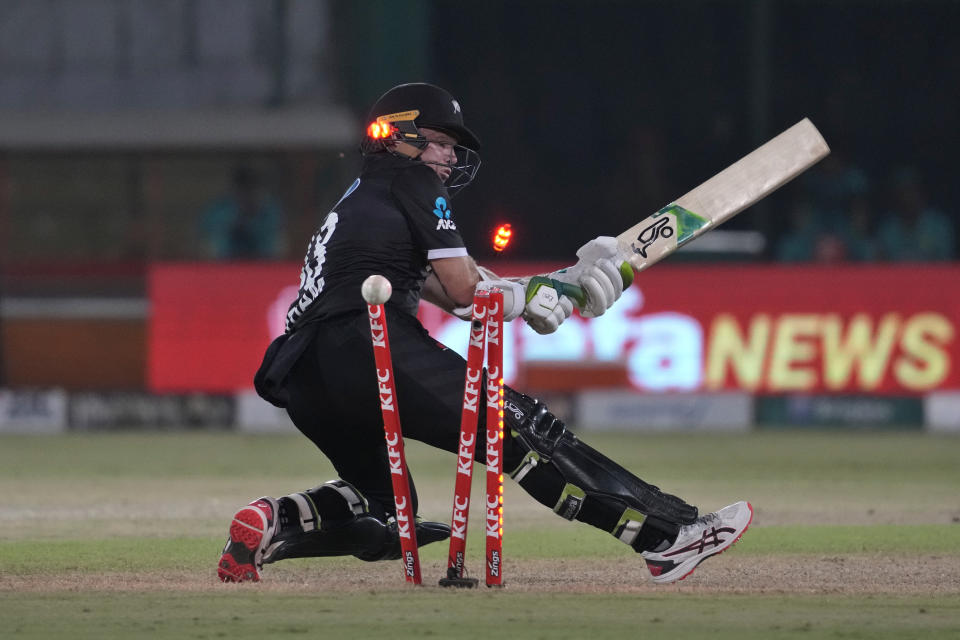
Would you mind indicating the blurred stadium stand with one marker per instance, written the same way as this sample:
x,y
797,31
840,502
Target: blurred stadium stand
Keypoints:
x,y
120,121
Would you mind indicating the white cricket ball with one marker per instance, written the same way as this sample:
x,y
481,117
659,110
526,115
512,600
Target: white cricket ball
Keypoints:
x,y
376,290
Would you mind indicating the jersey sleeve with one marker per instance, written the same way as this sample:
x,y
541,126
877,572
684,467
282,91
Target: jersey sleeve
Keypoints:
x,y
426,203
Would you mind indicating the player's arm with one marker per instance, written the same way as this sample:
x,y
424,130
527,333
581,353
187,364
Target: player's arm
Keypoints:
x,y
455,275
536,301
594,284
461,275
451,282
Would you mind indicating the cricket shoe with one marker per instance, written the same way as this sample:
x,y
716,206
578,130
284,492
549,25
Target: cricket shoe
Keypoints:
x,y
250,532
711,534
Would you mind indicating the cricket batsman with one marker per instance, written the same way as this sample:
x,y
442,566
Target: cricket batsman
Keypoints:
x,y
397,220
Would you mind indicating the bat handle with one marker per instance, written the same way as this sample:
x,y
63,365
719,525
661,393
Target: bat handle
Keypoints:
x,y
572,291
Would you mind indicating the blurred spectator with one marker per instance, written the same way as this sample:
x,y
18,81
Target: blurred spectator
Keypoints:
x,y
800,240
830,248
836,224
858,232
832,185
915,230
246,223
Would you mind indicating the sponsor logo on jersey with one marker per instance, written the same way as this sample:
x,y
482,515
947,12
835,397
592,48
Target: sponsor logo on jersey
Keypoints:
x,y
442,211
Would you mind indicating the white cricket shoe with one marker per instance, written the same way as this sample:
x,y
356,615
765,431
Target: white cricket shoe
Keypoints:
x,y
711,534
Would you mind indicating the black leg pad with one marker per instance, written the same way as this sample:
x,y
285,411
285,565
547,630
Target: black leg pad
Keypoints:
x,y
363,536
583,476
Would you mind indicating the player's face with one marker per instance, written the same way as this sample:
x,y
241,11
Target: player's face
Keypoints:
x,y
439,153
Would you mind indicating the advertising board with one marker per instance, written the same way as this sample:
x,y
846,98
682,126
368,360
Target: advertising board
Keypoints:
x,y
890,330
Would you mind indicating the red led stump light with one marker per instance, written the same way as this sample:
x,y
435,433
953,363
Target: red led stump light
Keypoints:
x,y
501,237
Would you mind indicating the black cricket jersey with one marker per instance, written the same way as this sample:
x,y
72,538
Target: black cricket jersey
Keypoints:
x,y
392,221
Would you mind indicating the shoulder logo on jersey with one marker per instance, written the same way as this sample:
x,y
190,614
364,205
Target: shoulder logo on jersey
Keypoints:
x,y
442,211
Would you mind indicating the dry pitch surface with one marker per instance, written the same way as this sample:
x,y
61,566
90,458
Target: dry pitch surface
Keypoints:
x,y
872,574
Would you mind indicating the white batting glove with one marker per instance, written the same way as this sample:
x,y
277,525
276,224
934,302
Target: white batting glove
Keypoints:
x,y
536,299
513,296
545,309
600,272
513,299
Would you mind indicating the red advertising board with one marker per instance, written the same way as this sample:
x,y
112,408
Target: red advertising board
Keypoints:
x,y
852,329
770,329
211,323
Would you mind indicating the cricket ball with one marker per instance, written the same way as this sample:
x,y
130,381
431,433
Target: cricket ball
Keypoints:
x,y
376,290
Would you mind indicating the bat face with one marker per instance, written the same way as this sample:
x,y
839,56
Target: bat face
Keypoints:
x,y
664,231
750,179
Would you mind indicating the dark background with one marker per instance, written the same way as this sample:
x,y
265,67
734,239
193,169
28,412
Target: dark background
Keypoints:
x,y
592,114
595,114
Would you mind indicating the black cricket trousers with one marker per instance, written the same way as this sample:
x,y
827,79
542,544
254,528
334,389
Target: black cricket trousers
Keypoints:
x,y
335,402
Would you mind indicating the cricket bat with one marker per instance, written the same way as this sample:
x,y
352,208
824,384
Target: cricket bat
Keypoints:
x,y
745,182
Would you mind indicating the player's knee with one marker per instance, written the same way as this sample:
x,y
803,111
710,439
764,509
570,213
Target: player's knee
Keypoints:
x,y
534,428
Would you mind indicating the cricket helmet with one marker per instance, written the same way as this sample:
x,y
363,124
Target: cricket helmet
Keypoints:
x,y
394,121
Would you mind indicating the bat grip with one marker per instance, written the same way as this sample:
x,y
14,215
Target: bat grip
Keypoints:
x,y
572,291
580,296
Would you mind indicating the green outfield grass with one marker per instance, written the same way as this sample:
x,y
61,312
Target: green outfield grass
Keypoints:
x,y
116,536
24,557
449,615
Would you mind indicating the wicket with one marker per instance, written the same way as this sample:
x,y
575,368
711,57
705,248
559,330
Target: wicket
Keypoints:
x,y
486,328
406,525
494,520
